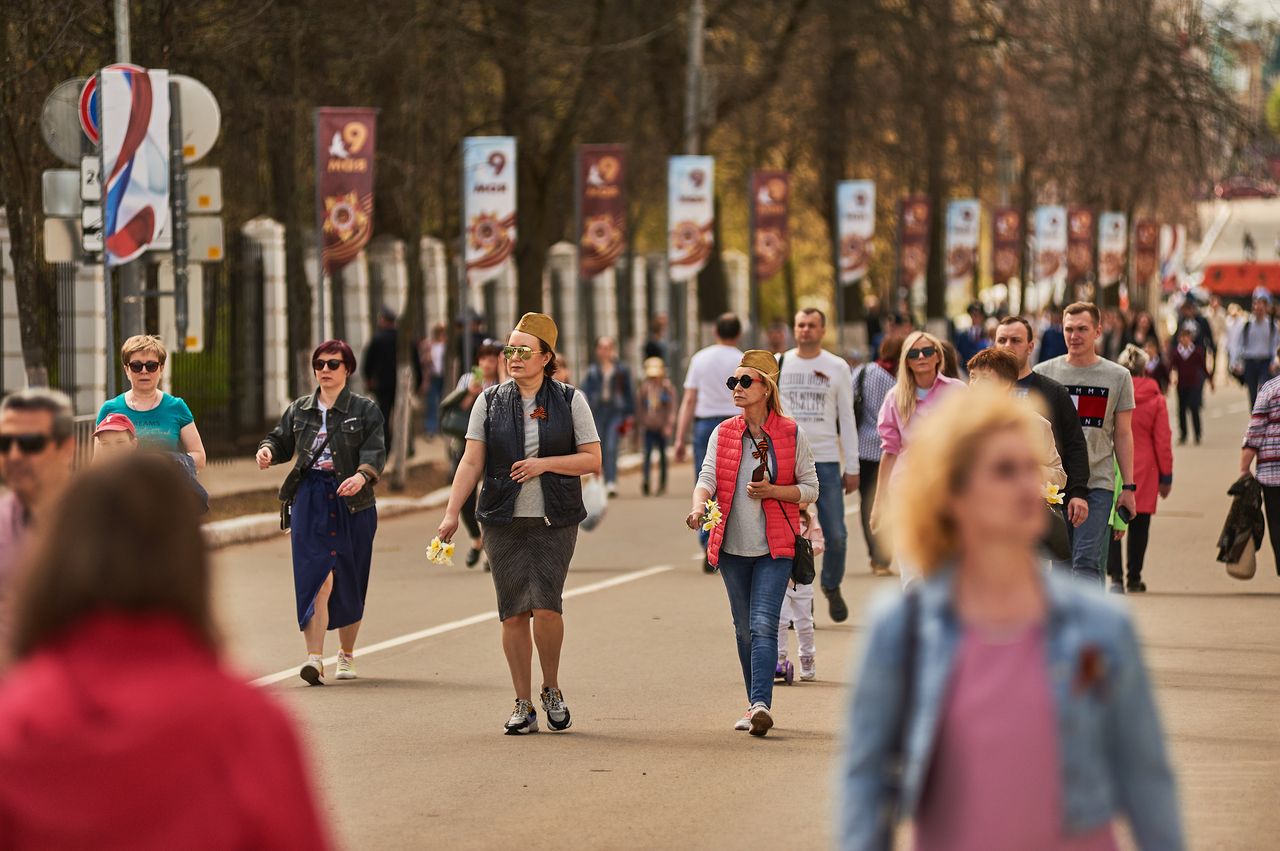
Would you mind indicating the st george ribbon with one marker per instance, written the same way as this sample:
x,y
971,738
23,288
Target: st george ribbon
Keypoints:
x,y
488,205
690,215
135,154
345,144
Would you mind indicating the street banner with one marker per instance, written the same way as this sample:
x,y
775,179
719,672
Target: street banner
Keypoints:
x,y
1006,244
1173,250
488,205
913,241
345,144
1113,246
770,243
1146,244
855,227
964,218
602,206
1051,243
134,110
1079,245
690,215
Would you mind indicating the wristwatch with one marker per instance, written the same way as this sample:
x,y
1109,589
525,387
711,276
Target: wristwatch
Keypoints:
x,y
1133,488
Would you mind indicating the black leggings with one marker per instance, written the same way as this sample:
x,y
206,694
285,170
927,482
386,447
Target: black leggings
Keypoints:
x,y
1138,535
1271,499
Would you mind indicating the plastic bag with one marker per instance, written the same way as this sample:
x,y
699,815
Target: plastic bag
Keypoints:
x,y
595,499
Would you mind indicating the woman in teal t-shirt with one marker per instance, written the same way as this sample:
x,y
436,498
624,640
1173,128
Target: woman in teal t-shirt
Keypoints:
x,y
162,421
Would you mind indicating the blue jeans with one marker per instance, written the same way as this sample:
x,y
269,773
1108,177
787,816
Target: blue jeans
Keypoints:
x,y
756,587
607,424
1257,371
702,428
1092,538
435,389
831,517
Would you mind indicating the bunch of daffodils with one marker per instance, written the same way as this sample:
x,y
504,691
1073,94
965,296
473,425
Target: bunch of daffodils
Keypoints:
x,y
711,515
440,553
1052,495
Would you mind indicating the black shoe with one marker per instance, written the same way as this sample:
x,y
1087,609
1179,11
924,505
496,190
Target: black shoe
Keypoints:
x,y
1117,588
1138,587
473,557
836,606
645,488
707,566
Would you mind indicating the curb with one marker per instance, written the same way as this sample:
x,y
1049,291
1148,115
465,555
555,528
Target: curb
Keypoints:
x,y
262,527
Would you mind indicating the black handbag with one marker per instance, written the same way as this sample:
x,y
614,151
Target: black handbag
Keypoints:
x,y
300,467
802,569
454,420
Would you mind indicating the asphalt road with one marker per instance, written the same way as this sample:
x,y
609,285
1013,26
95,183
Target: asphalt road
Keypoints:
x,y
412,755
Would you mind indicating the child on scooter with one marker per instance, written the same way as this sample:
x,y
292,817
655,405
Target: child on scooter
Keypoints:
x,y
797,610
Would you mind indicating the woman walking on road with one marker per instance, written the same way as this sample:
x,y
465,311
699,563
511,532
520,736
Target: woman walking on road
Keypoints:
x,y
1152,470
328,502
758,468
120,725
531,439
162,421
1015,701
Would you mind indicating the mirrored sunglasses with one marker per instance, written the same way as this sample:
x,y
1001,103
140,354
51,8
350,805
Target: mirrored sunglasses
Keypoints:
x,y
522,352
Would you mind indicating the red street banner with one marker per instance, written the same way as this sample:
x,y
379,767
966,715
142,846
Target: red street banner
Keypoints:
x,y
1006,244
913,240
344,176
1146,246
1079,244
602,223
770,194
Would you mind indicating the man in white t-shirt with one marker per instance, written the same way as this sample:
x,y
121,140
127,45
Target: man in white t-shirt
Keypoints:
x,y
708,401
817,392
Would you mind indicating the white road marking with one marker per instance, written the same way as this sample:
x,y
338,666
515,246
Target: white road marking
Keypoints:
x,y
484,617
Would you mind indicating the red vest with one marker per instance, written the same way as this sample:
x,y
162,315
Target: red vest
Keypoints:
x,y
782,441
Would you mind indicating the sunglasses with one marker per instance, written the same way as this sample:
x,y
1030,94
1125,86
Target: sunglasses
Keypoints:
x,y
28,444
743,381
331,363
136,366
926,352
512,352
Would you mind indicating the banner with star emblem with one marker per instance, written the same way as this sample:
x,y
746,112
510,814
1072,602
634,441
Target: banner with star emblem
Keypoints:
x,y
691,184
489,204
770,240
855,227
345,139
602,207
964,217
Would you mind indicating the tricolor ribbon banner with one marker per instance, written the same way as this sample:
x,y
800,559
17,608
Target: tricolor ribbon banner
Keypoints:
x,y
135,155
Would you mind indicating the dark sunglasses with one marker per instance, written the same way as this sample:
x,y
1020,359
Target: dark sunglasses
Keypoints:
x,y
926,352
28,444
331,363
513,352
744,380
137,366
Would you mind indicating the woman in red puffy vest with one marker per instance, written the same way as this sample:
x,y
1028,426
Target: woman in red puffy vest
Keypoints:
x,y
758,468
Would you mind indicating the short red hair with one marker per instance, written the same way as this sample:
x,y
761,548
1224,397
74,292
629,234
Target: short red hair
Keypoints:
x,y
339,347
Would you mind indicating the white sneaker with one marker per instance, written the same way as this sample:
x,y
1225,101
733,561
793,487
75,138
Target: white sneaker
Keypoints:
x,y
744,723
312,671
524,719
760,719
346,666
808,668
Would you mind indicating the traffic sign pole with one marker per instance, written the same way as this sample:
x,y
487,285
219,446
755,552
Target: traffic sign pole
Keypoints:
x,y
108,304
178,214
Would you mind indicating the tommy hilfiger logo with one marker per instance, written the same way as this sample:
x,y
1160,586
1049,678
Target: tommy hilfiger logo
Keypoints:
x,y
1091,404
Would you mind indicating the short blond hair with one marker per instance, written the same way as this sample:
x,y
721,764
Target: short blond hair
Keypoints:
x,y
140,344
938,464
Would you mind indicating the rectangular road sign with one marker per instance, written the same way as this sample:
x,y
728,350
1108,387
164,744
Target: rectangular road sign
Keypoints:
x,y
204,190
91,228
90,178
60,192
61,240
204,239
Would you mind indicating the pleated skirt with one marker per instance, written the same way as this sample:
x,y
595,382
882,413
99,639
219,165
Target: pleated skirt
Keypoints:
x,y
529,561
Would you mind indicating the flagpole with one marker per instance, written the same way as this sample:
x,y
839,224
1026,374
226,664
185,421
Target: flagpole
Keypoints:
x,y
319,234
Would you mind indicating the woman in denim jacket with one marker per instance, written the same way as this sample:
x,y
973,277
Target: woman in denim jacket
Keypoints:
x,y
997,707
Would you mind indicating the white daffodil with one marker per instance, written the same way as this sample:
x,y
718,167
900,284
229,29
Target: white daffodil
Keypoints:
x,y
439,552
1052,495
711,515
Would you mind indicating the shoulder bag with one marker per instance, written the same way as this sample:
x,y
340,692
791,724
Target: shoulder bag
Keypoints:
x,y
454,420
304,461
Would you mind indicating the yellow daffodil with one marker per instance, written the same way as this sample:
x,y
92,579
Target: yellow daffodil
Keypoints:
x,y
439,552
1052,495
711,515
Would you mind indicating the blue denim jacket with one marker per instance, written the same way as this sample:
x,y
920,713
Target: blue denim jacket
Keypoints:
x,y
1110,741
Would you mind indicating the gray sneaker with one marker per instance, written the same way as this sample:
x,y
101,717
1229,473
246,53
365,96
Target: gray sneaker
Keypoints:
x,y
557,712
523,719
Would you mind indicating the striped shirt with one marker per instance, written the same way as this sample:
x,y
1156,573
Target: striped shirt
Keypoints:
x,y
1263,435
877,385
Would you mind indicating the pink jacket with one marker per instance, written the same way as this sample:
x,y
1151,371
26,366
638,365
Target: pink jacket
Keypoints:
x,y
1152,443
893,433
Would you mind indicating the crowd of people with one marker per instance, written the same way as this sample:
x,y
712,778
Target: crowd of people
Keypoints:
x,y
1002,519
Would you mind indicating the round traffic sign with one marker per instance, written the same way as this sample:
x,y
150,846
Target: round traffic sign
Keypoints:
x,y
89,99
59,124
201,117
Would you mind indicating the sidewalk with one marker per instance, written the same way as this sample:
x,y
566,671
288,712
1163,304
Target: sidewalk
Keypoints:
x,y
238,476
